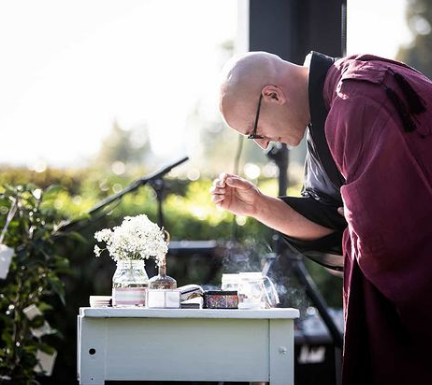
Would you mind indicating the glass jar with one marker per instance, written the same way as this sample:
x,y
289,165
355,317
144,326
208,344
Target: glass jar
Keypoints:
x,y
230,282
251,291
130,282
256,291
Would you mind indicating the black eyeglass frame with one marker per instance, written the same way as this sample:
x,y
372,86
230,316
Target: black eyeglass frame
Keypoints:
x,y
253,134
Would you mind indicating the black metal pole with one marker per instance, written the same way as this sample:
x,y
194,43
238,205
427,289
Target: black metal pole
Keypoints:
x,y
317,300
159,186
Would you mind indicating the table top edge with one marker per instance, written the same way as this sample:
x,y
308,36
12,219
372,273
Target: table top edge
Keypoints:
x,y
277,313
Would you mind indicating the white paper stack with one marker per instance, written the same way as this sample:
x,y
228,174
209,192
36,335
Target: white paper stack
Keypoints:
x,y
100,300
190,291
193,303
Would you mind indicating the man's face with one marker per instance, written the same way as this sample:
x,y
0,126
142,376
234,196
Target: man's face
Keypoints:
x,y
260,139
271,124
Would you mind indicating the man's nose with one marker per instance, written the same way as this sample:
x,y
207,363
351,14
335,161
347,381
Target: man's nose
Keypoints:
x,y
263,143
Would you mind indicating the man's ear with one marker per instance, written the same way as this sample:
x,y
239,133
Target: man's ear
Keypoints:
x,y
273,94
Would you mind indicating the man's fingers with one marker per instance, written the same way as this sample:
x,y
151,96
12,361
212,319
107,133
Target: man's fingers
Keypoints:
x,y
220,183
224,179
233,181
340,210
238,182
221,180
223,187
217,190
218,198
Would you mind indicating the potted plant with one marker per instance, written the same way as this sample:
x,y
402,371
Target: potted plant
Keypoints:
x,y
129,245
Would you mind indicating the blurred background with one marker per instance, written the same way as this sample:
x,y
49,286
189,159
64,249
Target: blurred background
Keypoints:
x,y
97,94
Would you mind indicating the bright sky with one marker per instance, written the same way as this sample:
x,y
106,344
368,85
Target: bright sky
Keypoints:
x,y
377,26
70,68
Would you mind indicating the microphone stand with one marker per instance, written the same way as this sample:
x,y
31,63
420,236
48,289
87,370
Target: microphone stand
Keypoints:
x,y
158,186
154,179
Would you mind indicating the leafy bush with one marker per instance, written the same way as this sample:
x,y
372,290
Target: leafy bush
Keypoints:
x,y
33,280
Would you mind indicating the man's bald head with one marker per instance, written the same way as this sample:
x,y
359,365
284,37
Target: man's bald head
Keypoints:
x,y
250,72
244,77
247,76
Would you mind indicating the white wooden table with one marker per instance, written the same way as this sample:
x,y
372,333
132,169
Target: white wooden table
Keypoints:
x,y
138,344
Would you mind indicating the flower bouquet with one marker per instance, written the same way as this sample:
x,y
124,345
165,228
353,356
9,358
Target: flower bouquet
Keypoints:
x,y
130,244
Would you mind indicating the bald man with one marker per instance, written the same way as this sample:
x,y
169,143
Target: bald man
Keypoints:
x,y
369,141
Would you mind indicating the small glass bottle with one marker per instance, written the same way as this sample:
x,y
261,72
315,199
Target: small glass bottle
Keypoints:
x,y
162,280
130,282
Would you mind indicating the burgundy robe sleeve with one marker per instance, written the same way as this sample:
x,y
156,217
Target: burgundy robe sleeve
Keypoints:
x,y
382,145
387,199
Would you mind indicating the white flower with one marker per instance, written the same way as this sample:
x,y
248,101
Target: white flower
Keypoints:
x,y
136,238
97,251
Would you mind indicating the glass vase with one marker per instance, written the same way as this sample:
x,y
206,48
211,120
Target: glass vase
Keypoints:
x,y
130,282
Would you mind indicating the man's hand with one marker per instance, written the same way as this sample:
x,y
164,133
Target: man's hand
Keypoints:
x,y
235,194
241,197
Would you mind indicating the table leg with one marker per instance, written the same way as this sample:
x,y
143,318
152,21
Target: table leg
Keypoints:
x,y
92,351
281,352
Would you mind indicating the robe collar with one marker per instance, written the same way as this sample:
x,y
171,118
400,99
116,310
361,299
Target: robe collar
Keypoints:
x,y
318,68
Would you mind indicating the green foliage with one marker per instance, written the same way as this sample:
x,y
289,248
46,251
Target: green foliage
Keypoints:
x,y
188,214
33,279
419,53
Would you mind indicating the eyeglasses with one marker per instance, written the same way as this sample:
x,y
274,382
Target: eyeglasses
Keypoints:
x,y
254,135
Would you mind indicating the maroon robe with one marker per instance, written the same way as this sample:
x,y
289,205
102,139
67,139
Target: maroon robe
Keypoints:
x,y
387,198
